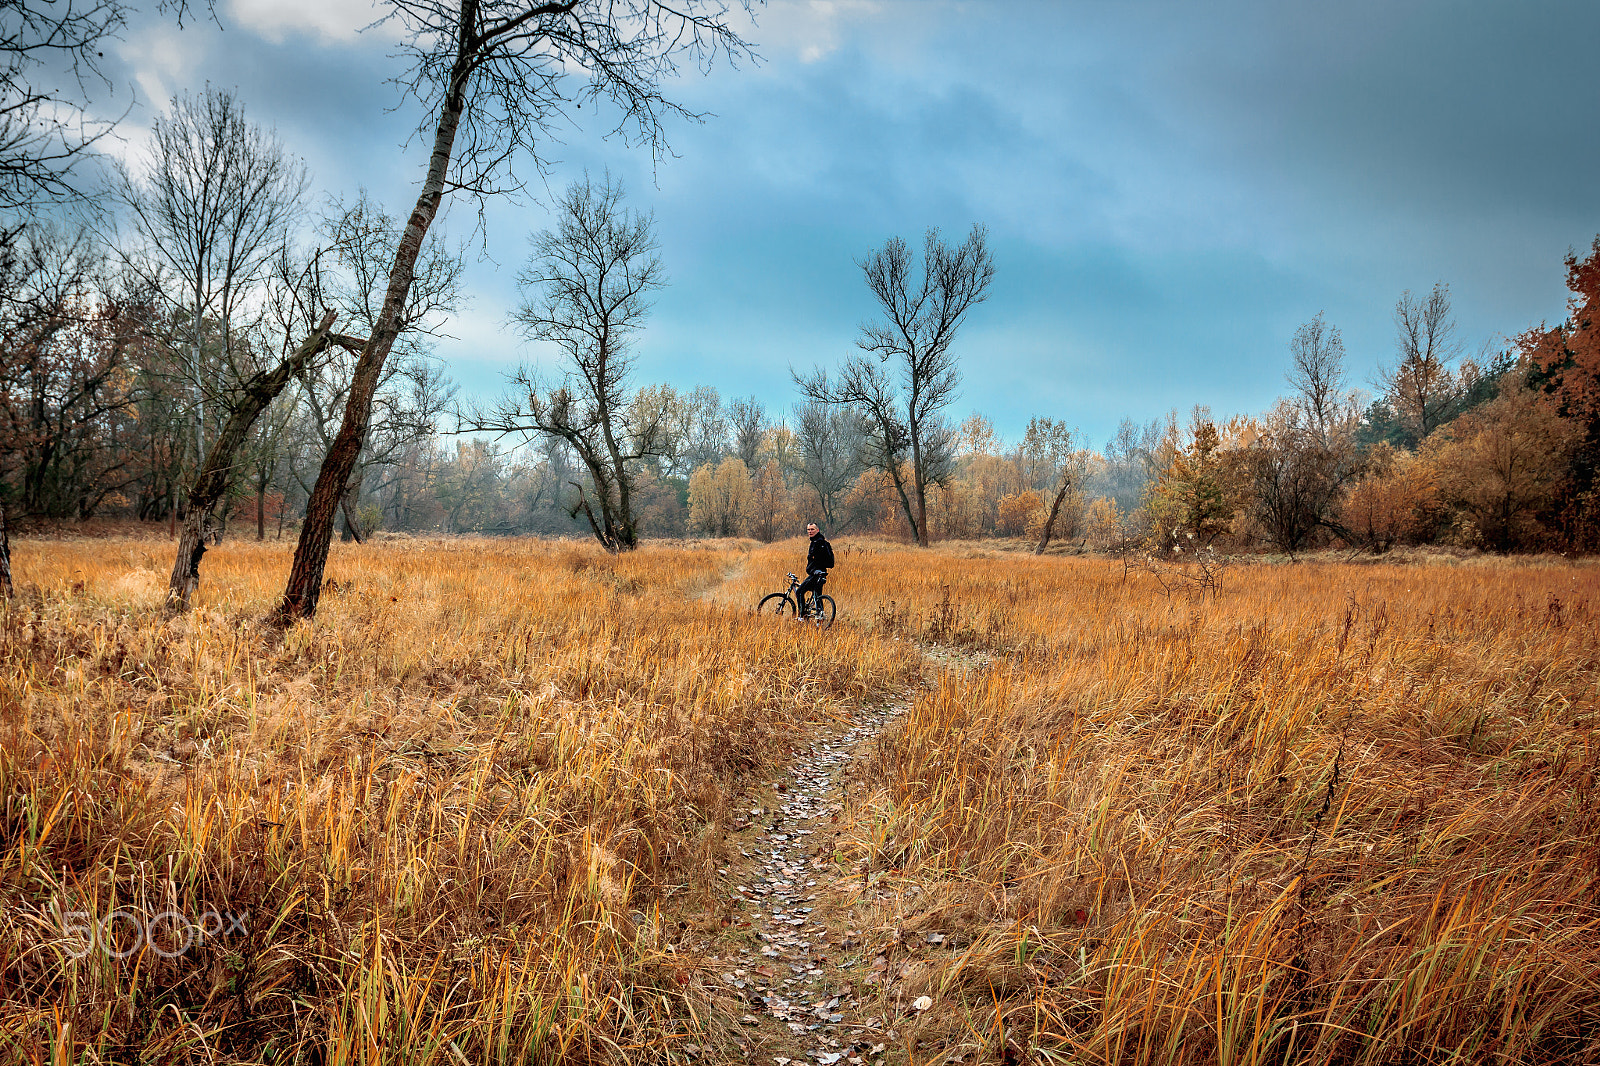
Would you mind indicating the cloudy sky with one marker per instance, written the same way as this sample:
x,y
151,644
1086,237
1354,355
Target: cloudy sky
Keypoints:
x,y
1170,188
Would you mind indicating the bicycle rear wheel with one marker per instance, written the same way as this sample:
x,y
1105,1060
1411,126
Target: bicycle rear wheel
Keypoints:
x,y
777,605
825,613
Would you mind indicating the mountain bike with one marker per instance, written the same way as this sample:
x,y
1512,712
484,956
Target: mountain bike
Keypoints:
x,y
787,605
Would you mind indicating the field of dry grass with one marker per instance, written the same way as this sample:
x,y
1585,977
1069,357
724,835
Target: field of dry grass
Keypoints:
x,y
475,812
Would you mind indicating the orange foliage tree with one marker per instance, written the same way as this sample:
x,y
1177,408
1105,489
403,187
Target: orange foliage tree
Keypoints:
x,y
1017,512
1397,501
1568,356
1566,365
768,509
1506,462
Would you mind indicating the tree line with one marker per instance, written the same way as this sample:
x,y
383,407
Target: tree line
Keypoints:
x,y
113,388
223,306
208,350
1493,449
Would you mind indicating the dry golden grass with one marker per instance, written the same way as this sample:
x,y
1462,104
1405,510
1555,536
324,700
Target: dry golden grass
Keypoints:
x,y
1335,813
446,806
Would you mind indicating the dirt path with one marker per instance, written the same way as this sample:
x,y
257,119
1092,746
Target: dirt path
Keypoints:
x,y
793,960
796,956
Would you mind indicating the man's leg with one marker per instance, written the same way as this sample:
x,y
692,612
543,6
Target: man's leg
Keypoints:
x,y
813,586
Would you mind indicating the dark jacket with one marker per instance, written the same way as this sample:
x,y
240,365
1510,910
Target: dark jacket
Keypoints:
x,y
820,557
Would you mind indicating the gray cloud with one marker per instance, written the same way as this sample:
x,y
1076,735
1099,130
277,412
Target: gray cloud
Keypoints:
x,y
1171,187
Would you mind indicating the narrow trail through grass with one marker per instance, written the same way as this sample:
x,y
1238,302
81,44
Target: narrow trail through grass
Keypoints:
x,y
794,966
796,960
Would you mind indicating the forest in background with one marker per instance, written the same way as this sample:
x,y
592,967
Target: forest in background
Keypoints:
x,y
127,347
108,391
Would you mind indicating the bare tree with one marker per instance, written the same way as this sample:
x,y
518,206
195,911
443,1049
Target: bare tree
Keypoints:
x,y
217,471
694,427
43,132
1052,459
706,440
50,395
1420,382
412,392
1297,476
909,437
748,419
1303,461
68,342
591,278
266,456
1316,375
830,453
517,64
212,207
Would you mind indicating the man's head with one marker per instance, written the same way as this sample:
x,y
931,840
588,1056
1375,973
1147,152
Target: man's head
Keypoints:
x,y
812,530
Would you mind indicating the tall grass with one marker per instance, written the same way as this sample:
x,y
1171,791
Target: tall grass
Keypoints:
x,y
1333,814
459,814
474,812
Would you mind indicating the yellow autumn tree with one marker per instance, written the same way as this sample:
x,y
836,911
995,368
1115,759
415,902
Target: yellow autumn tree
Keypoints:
x,y
768,509
1506,462
719,497
1398,500
1017,513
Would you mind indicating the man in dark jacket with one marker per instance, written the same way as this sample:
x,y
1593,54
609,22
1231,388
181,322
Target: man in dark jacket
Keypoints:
x,y
819,560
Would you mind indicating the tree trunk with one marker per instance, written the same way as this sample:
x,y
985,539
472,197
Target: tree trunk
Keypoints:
x,y
602,535
905,505
1055,510
352,519
211,481
316,532
261,510
919,485
186,568
5,554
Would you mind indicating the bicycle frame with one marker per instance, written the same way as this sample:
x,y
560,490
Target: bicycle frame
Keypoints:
x,y
791,597
794,586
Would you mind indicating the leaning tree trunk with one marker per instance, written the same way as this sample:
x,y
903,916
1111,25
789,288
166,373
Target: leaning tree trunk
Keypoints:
x,y
905,504
602,533
316,532
1055,511
352,515
212,479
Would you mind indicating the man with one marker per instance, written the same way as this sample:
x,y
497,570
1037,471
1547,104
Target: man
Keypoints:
x,y
819,560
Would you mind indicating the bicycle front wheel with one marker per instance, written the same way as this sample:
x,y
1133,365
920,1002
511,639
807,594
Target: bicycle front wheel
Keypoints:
x,y
825,613
777,605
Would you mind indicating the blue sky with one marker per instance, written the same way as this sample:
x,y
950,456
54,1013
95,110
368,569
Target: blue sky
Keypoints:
x,y
1170,188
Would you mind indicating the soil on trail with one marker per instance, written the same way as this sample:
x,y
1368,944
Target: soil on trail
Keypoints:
x,y
793,958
